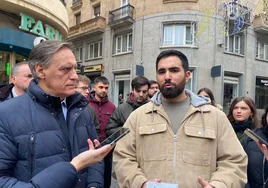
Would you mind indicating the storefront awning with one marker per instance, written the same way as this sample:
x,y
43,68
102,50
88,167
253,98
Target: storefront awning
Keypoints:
x,y
18,41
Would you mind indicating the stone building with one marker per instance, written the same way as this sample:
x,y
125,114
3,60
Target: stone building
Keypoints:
x,y
24,24
226,43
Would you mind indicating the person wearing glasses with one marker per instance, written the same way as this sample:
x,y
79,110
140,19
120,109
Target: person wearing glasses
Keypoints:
x,y
83,87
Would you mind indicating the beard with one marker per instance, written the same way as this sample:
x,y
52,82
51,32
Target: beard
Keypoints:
x,y
171,93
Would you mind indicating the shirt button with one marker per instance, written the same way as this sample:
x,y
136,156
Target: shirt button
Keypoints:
x,y
200,133
152,130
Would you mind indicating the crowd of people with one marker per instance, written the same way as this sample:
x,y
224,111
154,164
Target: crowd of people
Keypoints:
x,y
52,119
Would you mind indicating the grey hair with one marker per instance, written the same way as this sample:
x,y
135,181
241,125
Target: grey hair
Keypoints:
x,y
17,66
43,52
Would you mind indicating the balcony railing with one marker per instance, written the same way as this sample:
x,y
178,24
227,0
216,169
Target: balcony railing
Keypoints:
x,y
122,14
95,25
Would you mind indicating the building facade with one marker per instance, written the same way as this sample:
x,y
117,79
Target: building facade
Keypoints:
x,y
226,43
26,23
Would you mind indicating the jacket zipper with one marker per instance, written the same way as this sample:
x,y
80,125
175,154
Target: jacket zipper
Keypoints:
x,y
32,138
174,157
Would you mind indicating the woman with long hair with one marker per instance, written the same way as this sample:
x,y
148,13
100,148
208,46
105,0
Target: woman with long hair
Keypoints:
x,y
206,92
243,115
257,160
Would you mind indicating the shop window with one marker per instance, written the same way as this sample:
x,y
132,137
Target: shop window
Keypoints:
x,y
5,69
234,44
261,93
96,11
78,53
94,50
179,35
123,43
262,51
77,18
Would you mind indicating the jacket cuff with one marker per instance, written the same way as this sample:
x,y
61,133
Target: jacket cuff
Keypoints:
x,y
217,184
139,181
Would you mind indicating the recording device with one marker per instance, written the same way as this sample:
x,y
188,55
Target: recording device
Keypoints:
x,y
255,137
114,137
151,184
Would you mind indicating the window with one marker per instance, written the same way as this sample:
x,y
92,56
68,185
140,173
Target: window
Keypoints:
x,y
234,44
179,34
262,51
78,52
123,43
77,19
94,50
96,11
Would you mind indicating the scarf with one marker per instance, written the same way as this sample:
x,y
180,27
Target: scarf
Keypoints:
x,y
241,126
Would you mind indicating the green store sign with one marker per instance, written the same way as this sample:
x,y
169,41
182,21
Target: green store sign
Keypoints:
x,y
29,24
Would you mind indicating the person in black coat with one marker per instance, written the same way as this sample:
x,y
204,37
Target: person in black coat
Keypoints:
x,y
257,163
46,134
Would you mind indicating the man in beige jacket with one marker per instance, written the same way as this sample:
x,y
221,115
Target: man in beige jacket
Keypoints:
x,y
178,137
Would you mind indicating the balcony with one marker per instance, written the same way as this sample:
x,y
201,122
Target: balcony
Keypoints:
x,y
260,23
77,4
93,26
122,16
237,12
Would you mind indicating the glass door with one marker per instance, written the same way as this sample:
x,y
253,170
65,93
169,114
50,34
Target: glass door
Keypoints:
x,y
231,90
121,89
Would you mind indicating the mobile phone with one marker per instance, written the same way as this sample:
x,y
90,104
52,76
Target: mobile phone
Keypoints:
x,y
255,137
114,137
151,184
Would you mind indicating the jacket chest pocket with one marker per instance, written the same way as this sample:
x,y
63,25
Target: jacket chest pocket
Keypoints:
x,y
198,145
152,139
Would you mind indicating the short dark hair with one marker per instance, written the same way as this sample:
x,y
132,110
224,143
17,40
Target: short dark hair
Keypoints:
x,y
180,55
152,82
101,79
139,81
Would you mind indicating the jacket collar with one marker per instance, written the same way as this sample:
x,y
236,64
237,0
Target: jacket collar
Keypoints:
x,y
51,102
197,102
92,98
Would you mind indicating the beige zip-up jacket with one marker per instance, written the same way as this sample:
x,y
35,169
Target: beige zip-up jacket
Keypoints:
x,y
205,145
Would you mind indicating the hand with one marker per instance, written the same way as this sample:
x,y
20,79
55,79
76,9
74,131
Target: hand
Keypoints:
x,y
90,156
144,185
264,149
204,183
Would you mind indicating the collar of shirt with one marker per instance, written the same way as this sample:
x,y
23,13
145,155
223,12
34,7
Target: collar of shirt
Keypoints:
x,y
13,92
64,108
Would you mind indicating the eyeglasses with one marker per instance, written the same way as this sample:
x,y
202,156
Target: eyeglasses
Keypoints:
x,y
84,88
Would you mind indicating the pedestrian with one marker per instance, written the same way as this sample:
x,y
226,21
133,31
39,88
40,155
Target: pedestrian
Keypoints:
x,y
242,115
20,77
46,134
206,92
178,137
104,109
82,86
257,159
154,88
137,97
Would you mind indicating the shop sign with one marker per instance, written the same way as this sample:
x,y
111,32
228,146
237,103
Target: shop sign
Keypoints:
x,y
93,68
261,82
37,27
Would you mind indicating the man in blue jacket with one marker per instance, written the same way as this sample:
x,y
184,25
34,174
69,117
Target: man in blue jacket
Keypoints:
x,y
45,134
